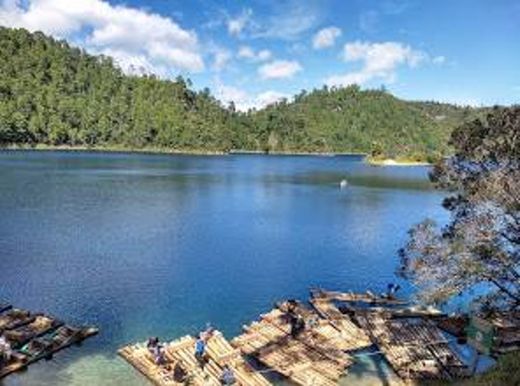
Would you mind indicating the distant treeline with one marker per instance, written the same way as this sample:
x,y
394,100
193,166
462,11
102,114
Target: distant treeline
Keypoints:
x,y
54,94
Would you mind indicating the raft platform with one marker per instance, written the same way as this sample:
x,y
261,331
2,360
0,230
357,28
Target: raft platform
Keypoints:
x,y
320,353
316,356
181,365
34,337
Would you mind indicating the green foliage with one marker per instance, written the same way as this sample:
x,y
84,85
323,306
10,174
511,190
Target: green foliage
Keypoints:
x,y
54,94
481,244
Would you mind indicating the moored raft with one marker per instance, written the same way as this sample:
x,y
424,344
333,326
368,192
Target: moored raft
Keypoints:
x,y
353,336
351,297
181,353
32,337
415,348
14,318
44,347
41,325
314,345
312,357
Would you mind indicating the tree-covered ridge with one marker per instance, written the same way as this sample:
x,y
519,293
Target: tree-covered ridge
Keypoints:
x,y
348,119
52,93
55,94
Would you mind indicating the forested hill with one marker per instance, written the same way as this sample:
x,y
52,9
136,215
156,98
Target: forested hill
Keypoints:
x,y
371,121
52,93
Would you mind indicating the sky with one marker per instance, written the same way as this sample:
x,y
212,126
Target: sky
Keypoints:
x,y
256,52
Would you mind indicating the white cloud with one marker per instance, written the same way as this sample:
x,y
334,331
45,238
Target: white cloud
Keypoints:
x,y
326,37
279,69
236,25
243,100
247,52
379,61
134,35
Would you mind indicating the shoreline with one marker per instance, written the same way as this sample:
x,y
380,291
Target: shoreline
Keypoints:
x,y
169,151
160,150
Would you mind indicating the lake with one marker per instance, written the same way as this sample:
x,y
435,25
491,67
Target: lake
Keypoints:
x,y
143,245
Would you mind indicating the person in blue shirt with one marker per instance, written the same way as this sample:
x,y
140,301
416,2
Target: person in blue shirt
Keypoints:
x,y
200,350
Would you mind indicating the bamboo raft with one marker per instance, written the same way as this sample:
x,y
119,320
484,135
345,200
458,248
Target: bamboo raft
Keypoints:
x,y
416,349
351,297
180,353
354,337
321,352
34,337
315,357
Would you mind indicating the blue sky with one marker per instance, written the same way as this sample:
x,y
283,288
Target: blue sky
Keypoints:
x,y
254,52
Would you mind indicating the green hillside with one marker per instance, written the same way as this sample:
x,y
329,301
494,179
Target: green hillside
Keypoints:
x,y
352,120
55,94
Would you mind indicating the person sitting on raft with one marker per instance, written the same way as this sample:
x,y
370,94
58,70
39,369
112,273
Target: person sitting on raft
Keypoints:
x,y
5,349
179,372
152,344
391,291
157,350
228,376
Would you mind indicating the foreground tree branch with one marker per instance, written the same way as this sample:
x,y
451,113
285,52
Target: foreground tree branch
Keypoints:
x,y
481,244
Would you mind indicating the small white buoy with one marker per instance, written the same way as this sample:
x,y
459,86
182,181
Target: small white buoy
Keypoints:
x,y
343,184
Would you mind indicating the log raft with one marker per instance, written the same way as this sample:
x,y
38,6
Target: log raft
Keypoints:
x,y
314,357
416,349
33,337
180,353
320,353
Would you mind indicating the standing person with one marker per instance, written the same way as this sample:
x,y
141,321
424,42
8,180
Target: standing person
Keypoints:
x,y
200,351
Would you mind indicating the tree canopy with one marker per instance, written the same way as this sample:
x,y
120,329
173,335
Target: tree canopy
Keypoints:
x,y
55,94
481,244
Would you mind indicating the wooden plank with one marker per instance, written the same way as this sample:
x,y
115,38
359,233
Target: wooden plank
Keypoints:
x,y
354,338
312,357
221,351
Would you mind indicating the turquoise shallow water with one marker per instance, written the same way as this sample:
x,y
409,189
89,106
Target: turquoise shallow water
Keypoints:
x,y
160,245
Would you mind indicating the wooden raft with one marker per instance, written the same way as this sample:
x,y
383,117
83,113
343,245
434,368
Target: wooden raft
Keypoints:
x,y
34,337
351,297
180,352
353,336
415,349
314,357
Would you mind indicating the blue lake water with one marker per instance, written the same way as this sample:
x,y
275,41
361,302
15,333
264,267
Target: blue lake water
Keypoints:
x,y
144,245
